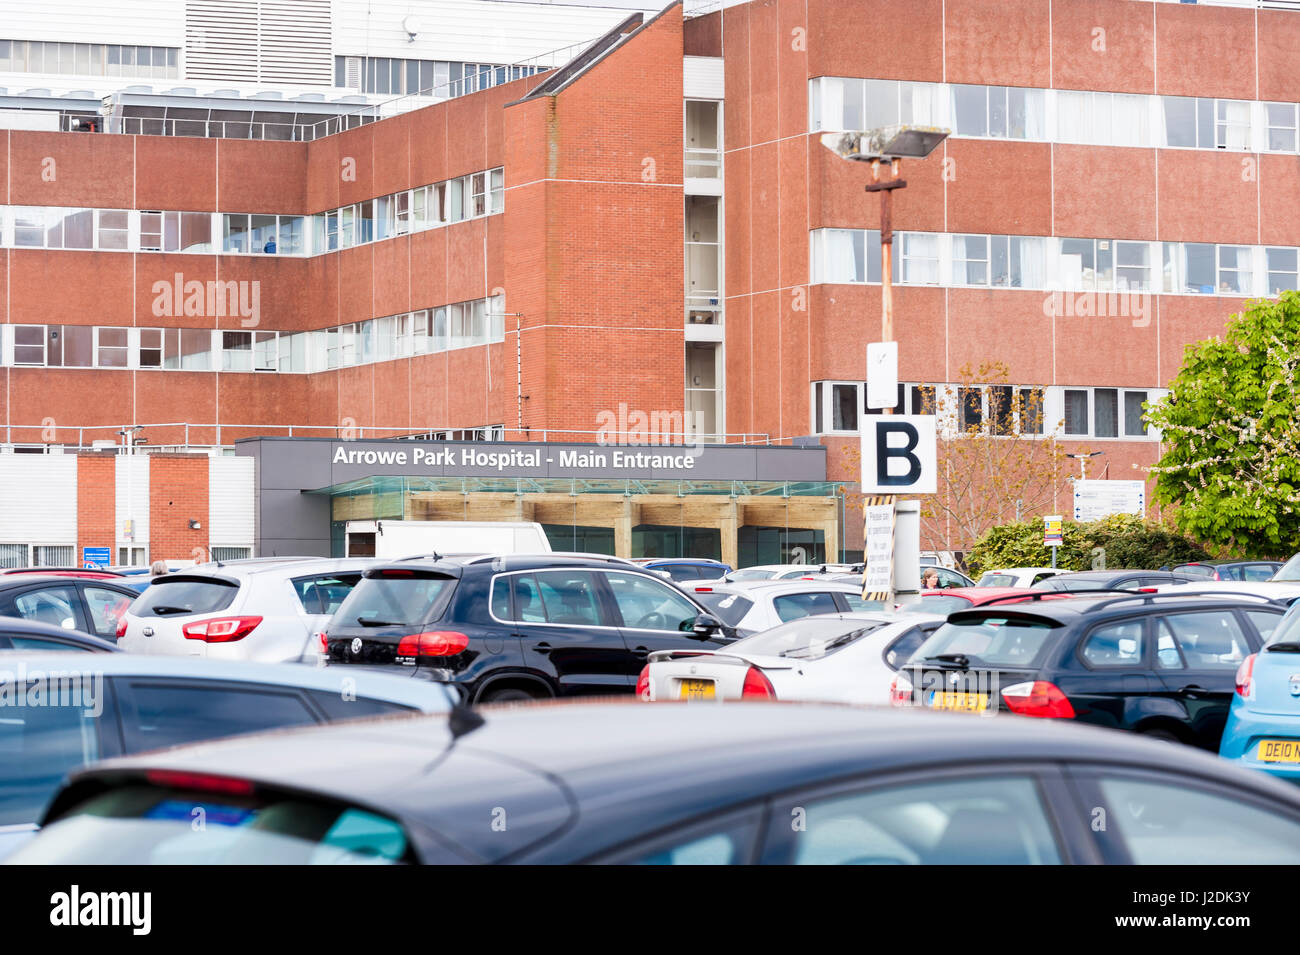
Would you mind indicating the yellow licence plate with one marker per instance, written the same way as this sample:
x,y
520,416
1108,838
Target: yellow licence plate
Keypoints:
x,y
697,690
959,700
1278,751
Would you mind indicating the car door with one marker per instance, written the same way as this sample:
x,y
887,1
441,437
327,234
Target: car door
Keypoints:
x,y
652,616
567,631
1211,644
1115,679
53,603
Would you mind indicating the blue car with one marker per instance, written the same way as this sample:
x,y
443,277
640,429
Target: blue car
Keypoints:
x,y
1263,729
681,569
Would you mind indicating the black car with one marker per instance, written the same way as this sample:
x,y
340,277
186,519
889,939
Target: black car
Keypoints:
x,y
518,627
1084,580
18,634
1231,569
91,605
1160,664
675,783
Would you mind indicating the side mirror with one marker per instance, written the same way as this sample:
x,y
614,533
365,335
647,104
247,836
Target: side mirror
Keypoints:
x,y
706,626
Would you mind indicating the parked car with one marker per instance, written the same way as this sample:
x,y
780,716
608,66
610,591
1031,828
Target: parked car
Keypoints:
x,y
1158,664
88,573
750,607
263,610
1281,591
835,658
685,569
1077,581
947,579
1263,728
787,571
1016,576
1231,569
618,782
512,627
125,704
91,605
1290,571
947,601
35,637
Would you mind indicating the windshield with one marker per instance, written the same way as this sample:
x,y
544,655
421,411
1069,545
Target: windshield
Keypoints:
x,y
393,598
989,641
1288,630
752,573
1290,570
729,608
145,825
937,603
994,579
183,596
807,638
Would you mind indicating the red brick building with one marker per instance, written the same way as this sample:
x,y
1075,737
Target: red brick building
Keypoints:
x,y
658,226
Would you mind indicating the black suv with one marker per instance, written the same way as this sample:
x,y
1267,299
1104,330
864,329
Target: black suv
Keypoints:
x,y
518,627
1084,580
1159,664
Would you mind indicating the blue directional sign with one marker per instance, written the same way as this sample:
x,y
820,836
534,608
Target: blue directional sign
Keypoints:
x,y
96,558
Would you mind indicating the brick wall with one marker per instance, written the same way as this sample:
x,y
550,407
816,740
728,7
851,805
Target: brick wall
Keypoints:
x,y
178,493
96,503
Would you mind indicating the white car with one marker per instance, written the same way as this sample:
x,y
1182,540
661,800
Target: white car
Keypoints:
x,y
268,610
785,571
1017,576
753,606
843,658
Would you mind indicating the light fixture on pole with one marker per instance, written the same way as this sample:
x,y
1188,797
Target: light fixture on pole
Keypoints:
x,y
1083,460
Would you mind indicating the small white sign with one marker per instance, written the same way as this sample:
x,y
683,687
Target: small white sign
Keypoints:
x,y
1094,500
882,374
898,454
878,548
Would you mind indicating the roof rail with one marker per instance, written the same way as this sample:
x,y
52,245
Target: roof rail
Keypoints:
x,y
1149,597
1038,595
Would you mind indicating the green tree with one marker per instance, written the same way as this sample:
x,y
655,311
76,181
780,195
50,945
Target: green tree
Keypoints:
x,y
1231,434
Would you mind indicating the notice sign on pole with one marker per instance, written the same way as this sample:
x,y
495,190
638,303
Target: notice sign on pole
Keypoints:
x,y
1094,500
898,454
878,549
1053,531
882,374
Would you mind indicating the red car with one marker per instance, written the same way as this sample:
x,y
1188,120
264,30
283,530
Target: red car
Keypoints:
x,y
963,598
66,572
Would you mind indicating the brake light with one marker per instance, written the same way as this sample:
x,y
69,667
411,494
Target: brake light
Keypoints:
x,y
1246,678
1039,698
435,643
900,690
204,782
757,686
704,590
643,684
396,573
121,626
221,629
323,640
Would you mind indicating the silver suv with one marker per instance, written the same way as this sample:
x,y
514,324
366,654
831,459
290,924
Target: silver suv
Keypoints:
x,y
267,610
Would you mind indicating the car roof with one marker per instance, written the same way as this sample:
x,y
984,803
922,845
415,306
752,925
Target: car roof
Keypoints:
x,y
1103,605
394,688
25,580
38,628
756,587
584,761
701,561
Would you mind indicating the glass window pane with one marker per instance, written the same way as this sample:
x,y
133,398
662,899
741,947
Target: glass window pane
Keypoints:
x,y
1180,121
1134,425
1076,411
844,407
970,110
1106,402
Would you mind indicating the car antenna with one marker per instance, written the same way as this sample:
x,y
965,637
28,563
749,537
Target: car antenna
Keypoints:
x,y
462,720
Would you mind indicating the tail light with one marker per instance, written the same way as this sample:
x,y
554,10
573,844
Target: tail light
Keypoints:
x,y
900,690
1038,698
323,642
204,782
757,686
121,626
221,629
435,643
1246,678
643,684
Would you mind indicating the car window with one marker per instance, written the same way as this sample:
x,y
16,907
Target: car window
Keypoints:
x,y
396,597
500,598
38,747
42,644
729,608
681,571
182,596
1258,572
324,594
1170,823
53,605
987,821
901,650
806,638
1167,655
992,640
646,604
857,604
1209,640
340,706
1264,622
155,715
949,579
937,604
792,606
569,597
728,841
1039,577
1115,645
997,580
106,608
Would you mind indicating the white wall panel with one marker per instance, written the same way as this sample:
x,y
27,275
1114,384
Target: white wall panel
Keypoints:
x,y
230,501
702,78
133,480
38,498
137,22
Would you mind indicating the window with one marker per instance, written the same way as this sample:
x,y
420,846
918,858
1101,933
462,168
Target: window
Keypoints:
x,y
321,594
646,604
1076,411
1209,641
981,821
38,747
478,193
235,233
1234,269
568,597
192,595
1087,264
920,258
793,606
157,715
54,555
844,407
132,556
1133,266
1106,412
70,346
970,402
112,229
1281,270
106,608
1167,655
1135,425
151,348
29,344
1280,126
111,347
970,260
498,198
726,841
1115,645
1264,622
53,605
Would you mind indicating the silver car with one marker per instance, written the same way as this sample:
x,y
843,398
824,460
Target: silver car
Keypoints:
x,y
266,610
752,606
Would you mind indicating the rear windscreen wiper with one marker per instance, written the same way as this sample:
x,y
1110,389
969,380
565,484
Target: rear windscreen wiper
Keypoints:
x,y
958,658
372,622
161,611
1286,646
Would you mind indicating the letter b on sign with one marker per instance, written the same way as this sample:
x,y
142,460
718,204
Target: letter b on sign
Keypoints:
x,y
898,454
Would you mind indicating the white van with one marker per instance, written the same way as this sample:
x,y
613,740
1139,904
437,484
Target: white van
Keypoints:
x,y
392,540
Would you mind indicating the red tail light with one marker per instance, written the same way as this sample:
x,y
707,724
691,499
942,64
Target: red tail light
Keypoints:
x,y
900,690
1246,678
121,627
757,686
1039,698
435,643
221,629
323,642
643,684
204,782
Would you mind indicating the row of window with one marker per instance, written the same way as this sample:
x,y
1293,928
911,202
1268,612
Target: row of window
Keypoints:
x,y
441,78
847,256
65,555
412,210
1056,116
1062,411
89,59
461,325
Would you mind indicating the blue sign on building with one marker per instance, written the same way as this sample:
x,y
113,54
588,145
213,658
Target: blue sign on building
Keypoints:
x,y
96,558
